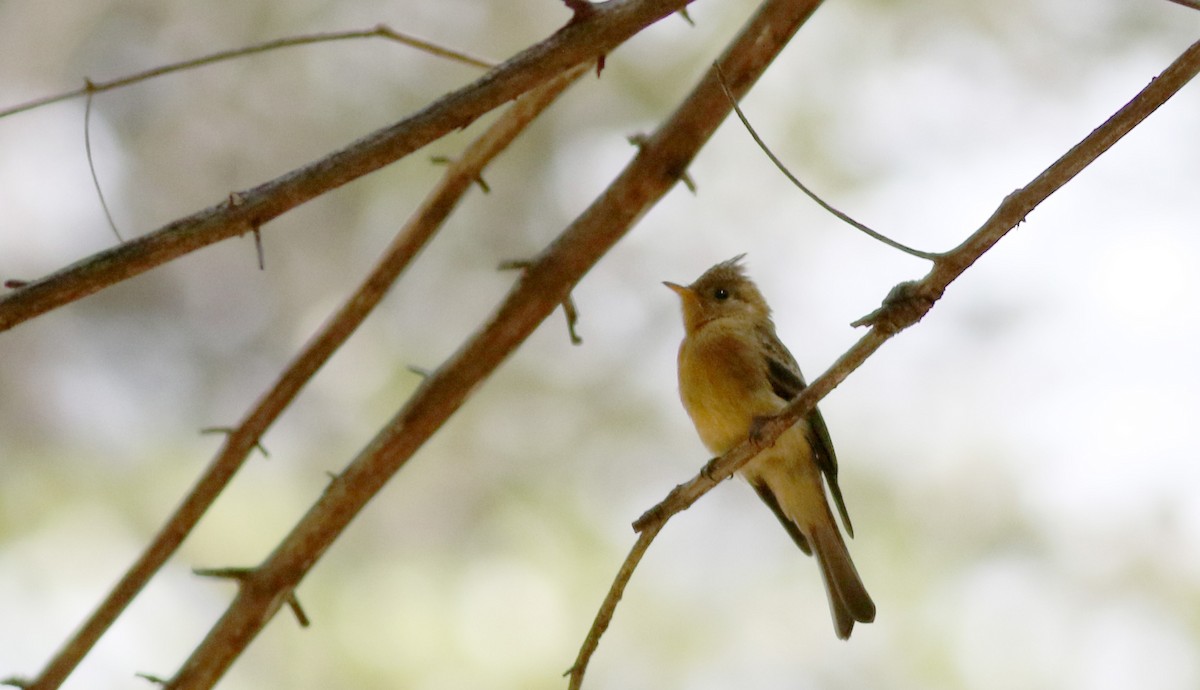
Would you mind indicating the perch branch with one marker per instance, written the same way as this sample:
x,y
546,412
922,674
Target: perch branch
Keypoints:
x,y
906,304
607,26
536,293
247,436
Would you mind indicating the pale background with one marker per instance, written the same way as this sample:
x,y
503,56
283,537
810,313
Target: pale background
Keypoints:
x,y
1021,466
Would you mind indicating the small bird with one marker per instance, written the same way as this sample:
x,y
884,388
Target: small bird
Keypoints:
x,y
733,374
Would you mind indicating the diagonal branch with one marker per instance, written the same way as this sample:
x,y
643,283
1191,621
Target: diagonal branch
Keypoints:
x,y
415,234
909,302
581,40
539,290
905,305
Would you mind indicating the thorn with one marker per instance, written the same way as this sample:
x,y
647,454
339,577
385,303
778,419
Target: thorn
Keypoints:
x,y
514,265
297,611
478,178
14,284
258,247
686,17
641,140
419,371
567,304
236,574
229,431
581,10
152,678
240,575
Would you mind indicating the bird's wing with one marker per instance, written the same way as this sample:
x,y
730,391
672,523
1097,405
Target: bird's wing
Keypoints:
x,y
787,382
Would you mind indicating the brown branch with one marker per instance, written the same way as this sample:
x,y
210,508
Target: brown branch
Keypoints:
x,y
909,302
779,21
905,305
538,291
607,26
609,607
246,437
380,31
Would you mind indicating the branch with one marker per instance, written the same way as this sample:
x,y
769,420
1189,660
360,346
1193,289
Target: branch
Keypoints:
x,y
904,306
909,302
580,41
458,178
538,291
381,31
920,254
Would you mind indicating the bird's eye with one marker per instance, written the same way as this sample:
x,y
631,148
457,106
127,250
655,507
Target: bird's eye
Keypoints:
x,y
721,294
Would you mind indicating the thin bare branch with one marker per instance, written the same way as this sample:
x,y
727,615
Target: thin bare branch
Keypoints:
x,y
609,607
87,147
821,202
380,31
247,436
608,25
909,302
535,295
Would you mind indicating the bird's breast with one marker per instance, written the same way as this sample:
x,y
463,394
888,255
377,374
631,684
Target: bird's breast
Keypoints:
x,y
724,386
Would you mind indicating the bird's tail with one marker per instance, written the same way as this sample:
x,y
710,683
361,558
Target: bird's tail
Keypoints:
x,y
848,598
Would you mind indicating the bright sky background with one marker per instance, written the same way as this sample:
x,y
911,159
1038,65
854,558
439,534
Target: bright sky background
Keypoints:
x,y
1021,466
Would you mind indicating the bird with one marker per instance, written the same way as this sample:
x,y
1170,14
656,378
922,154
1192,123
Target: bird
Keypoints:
x,y
734,373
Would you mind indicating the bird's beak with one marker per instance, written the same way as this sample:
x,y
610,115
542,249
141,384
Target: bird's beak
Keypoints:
x,y
691,304
685,293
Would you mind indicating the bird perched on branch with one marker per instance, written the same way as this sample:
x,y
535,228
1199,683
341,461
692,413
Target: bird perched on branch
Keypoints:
x,y
733,374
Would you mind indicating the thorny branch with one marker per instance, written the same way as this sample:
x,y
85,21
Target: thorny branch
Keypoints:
x,y
539,290
904,306
581,41
415,234
772,26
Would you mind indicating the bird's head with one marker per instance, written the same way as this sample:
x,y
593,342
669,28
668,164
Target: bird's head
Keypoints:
x,y
723,291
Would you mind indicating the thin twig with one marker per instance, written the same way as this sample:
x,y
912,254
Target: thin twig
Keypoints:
x,y
380,31
541,289
609,25
609,607
246,437
87,147
1194,4
931,256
